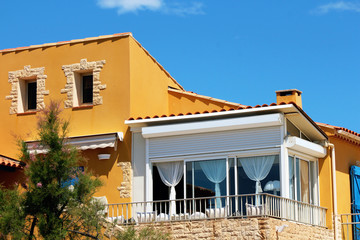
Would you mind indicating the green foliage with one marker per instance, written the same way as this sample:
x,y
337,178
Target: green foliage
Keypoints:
x,y
48,209
147,233
11,213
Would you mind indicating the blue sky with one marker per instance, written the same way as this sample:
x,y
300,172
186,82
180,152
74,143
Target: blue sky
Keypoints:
x,y
240,51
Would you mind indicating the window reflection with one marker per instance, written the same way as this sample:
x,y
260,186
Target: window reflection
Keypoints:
x,y
302,184
207,179
258,174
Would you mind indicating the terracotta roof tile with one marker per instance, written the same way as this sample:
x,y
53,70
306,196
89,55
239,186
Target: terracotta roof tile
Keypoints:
x,y
241,108
9,162
339,128
210,111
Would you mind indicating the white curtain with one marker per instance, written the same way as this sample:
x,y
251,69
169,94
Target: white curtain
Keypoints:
x,y
171,174
215,171
257,168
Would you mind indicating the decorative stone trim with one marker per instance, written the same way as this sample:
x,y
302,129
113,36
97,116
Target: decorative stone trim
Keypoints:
x,y
125,186
83,67
28,73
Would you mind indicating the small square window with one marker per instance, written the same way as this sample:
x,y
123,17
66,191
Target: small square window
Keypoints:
x,y
87,89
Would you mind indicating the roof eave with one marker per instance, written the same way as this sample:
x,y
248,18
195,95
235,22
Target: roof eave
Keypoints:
x,y
285,108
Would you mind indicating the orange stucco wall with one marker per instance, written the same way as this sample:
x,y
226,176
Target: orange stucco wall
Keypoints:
x,y
149,84
346,155
105,118
325,188
182,103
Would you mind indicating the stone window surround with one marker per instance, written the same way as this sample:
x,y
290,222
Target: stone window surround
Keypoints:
x,y
84,66
28,73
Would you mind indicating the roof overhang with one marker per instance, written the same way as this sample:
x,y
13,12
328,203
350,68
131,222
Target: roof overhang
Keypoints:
x,y
291,111
10,162
274,119
85,142
347,135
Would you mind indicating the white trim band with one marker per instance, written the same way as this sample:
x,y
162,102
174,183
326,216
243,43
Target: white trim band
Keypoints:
x,y
306,147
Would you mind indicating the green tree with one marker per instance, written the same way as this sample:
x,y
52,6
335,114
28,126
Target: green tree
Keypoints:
x,y
50,209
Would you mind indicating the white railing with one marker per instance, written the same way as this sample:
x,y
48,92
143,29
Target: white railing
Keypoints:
x,y
239,206
350,226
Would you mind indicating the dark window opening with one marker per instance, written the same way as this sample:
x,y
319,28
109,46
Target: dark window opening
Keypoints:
x,y
31,95
87,89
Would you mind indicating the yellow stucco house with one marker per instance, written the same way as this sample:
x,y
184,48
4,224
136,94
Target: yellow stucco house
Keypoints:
x,y
195,165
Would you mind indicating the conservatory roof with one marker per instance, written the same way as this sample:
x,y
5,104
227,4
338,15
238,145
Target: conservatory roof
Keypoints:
x,y
290,110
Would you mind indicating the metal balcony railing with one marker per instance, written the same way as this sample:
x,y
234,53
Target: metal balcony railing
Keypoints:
x,y
236,206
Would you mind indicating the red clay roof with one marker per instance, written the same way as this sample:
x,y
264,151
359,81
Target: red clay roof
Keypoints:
x,y
339,128
211,111
9,162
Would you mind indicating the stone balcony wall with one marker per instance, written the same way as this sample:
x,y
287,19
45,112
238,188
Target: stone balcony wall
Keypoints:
x,y
247,228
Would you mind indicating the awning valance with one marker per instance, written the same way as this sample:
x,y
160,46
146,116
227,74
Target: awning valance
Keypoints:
x,y
84,142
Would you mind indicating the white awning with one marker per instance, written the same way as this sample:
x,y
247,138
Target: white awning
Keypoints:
x,y
306,147
83,142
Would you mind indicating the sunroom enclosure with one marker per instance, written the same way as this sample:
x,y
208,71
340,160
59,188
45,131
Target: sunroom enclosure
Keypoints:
x,y
227,166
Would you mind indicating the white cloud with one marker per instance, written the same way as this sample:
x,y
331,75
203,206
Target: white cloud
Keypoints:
x,y
195,8
124,6
177,8
337,6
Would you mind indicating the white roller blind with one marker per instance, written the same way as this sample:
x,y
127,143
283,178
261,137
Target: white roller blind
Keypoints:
x,y
200,143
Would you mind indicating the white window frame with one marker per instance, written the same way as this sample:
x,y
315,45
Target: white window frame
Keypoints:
x,y
313,173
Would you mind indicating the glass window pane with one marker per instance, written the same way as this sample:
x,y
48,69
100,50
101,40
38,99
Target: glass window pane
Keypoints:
x,y
189,180
257,168
292,130
291,178
87,89
313,183
304,169
297,179
231,176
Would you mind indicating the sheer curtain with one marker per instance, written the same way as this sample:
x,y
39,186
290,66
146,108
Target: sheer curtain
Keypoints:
x,y
215,171
257,168
171,174
304,172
